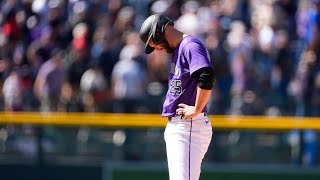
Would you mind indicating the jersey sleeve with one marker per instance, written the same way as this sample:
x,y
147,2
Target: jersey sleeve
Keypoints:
x,y
197,56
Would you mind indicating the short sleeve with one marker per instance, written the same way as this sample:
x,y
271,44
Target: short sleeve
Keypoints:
x,y
197,56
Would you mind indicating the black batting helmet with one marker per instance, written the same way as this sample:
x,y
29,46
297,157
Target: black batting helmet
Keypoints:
x,y
153,27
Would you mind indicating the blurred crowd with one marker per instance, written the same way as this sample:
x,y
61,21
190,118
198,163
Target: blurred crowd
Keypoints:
x,y
86,56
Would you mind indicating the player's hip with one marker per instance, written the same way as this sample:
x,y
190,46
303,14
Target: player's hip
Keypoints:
x,y
199,124
178,118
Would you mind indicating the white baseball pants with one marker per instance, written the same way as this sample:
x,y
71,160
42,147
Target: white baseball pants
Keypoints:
x,y
187,142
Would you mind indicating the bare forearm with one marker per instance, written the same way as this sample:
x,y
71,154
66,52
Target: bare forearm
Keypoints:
x,y
201,99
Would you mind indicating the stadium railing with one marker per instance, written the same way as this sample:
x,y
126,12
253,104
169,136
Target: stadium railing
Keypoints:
x,y
155,120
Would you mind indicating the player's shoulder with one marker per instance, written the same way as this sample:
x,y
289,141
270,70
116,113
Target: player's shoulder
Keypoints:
x,y
191,40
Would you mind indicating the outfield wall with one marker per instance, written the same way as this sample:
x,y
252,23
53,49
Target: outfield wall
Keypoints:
x,y
43,169
158,171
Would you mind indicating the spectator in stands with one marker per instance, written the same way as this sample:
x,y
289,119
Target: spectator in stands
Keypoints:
x,y
49,80
93,88
188,22
78,56
302,87
12,92
129,80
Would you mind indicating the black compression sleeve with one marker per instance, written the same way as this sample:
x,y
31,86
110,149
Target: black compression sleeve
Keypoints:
x,y
205,77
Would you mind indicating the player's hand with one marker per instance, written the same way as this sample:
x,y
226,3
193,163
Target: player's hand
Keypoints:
x,y
186,111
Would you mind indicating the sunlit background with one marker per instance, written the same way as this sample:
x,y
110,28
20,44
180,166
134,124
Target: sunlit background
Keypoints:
x,y
85,56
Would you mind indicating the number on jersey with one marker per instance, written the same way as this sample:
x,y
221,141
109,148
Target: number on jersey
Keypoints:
x,y
175,87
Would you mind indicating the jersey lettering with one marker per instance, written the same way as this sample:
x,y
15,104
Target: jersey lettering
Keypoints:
x,y
172,68
177,72
175,87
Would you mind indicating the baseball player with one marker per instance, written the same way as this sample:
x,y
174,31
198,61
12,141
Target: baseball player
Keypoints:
x,y
188,132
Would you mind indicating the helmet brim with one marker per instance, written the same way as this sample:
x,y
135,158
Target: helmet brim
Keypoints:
x,y
148,49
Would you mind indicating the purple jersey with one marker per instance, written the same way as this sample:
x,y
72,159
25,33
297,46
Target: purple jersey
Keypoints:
x,y
189,56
